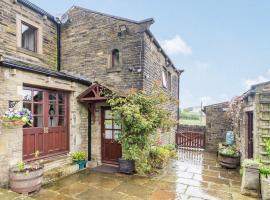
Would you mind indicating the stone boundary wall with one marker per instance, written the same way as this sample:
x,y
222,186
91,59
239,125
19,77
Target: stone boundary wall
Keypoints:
x,y
194,128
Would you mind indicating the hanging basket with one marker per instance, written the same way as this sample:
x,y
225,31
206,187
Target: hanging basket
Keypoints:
x,y
11,123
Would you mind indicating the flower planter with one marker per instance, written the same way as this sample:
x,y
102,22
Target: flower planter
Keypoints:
x,y
265,187
27,181
228,161
81,163
126,166
251,181
12,124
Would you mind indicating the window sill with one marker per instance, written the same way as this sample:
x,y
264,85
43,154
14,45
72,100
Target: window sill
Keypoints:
x,y
111,70
28,52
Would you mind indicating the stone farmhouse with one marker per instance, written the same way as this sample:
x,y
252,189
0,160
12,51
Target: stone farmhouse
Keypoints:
x,y
58,68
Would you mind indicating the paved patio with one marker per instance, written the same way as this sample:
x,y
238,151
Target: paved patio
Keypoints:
x,y
194,175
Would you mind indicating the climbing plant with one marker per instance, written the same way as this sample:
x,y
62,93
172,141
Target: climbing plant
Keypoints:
x,y
140,116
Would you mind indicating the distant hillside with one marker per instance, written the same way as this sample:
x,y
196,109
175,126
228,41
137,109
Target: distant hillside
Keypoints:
x,y
192,116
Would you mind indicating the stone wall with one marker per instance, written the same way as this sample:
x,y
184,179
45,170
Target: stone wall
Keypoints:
x,y
154,63
216,125
11,13
12,82
87,42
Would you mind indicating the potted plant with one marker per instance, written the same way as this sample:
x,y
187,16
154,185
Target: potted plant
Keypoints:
x,y
79,158
13,118
265,181
24,178
228,156
250,177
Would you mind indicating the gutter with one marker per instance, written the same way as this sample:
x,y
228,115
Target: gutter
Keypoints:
x,y
58,27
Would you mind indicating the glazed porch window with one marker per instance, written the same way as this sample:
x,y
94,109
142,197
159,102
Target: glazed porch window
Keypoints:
x,y
115,58
29,37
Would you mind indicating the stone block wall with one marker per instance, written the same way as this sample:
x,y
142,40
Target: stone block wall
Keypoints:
x,y
10,30
11,141
216,125
154,64
87,42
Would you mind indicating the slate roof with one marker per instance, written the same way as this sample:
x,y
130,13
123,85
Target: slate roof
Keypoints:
x,y
14,64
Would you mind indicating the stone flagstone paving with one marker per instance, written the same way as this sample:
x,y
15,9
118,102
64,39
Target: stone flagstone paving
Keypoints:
x,y
195,175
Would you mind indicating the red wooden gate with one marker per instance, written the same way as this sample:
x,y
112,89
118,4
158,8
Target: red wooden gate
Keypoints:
x,y
190,139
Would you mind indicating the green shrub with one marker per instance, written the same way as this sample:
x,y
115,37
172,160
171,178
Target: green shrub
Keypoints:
x,y
160,155
228,150
264,170
78,156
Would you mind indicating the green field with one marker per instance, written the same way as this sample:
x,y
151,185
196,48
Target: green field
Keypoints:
x,y
192,118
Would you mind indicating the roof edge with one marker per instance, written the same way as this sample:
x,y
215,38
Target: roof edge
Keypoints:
x,y
37,9
41,70
148,20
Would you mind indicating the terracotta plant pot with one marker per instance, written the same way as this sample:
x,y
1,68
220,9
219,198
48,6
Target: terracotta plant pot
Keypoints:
x,y
228,161
26,182
265,187
126,166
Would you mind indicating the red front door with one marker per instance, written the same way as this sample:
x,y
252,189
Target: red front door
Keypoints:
x,y
111,149
49,131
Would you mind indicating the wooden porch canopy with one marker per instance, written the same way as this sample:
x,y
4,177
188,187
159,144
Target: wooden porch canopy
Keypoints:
x,y
94,93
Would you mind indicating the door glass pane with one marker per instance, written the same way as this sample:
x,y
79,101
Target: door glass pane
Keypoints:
x,y
108,123
27,95
108,114
53,121
52,97
61,121
116,126
61,98
61,110
52,110
27,106
38,96
38,122
108,134
38,109
116,134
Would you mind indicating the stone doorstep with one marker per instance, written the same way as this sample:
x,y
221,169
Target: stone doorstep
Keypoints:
x,y
59,172
55,162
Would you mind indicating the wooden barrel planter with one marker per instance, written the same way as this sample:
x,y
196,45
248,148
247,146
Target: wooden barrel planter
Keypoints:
x,y
229,161
27,181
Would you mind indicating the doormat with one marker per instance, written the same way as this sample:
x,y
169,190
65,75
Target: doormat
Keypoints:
x,y
106,169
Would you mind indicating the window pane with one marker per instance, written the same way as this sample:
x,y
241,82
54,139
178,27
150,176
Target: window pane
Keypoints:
x,y
61,121
108,114
164,79
27,106
116,134
38,109
52,97
108,124
61,98
108,134
116,126
38,96
28,37
61,110
27,95
53,121
38,122
52,110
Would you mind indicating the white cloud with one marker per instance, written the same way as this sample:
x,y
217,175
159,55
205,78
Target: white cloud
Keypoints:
x,y
259,79
175,46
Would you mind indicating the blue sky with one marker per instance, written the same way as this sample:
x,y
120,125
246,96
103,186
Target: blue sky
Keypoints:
x,y
223,46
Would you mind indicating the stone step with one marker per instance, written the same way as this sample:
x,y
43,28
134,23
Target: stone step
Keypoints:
x,y
55,162
267,162
264,136
264,153
59,172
